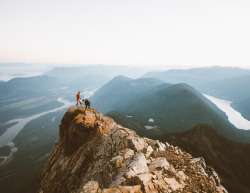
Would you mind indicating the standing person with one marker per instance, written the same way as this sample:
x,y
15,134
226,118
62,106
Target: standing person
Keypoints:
x,y
78,99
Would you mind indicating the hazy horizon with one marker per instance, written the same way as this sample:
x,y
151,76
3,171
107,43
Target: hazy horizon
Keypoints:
x,y
144,32
9,71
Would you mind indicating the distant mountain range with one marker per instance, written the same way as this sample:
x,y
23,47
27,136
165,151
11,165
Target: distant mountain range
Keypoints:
x,y
172,107
87,82
234,89
197,77
93,76
109,71
27,87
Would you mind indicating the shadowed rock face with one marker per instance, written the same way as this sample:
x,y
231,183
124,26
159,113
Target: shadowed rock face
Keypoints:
x,y
95,154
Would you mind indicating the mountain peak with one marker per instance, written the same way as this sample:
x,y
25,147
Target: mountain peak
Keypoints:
x,y
121,78
79,126
95,154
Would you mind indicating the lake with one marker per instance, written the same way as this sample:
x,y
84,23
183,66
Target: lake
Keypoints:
x,y
233,116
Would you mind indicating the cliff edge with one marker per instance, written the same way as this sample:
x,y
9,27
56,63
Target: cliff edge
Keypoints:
x,y
95,154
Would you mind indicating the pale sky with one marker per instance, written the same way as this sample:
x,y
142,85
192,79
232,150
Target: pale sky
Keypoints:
x,y
133,32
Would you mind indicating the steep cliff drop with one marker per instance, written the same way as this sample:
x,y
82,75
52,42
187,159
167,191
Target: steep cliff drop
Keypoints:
x,y
95,154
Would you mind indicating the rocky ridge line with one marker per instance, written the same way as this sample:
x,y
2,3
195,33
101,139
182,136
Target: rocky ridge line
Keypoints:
x,y
95,154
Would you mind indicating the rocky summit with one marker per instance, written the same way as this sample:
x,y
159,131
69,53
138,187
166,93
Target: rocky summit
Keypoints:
x,y
95,154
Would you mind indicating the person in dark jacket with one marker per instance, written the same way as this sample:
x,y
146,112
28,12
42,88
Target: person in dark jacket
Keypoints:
x,y
87,103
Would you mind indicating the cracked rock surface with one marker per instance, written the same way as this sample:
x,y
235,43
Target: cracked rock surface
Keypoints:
x,y
95,154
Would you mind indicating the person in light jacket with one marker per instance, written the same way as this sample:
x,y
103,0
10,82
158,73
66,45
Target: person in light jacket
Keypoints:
x,y
78,99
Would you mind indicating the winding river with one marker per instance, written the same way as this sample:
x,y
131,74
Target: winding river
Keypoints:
x,y
13,131
9,135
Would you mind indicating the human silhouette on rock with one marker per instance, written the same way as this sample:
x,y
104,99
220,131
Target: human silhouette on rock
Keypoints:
x,y
78,99
87,103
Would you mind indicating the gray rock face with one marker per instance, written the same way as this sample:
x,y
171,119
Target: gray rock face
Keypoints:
x,y
95,154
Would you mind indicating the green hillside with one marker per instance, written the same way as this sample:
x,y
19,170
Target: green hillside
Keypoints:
x,y
243,106
177,108
34,143
120,91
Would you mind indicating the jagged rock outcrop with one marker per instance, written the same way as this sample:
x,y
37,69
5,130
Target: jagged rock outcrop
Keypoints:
x,y
95,154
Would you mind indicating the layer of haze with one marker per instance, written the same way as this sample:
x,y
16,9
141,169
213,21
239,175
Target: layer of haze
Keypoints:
x,y
141,32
